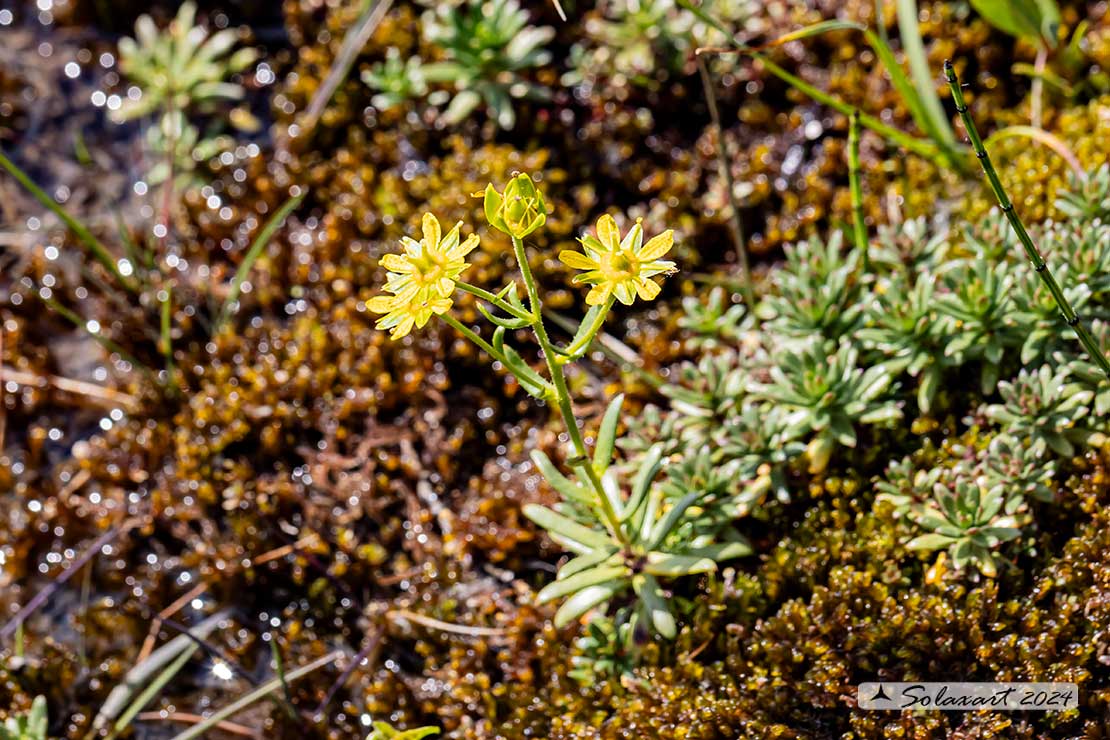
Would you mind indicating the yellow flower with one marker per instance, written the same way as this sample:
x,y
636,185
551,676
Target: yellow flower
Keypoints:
x,y
402,314
620,268
422,279
428,268
518,211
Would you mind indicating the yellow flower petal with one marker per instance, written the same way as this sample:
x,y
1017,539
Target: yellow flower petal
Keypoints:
x,y
381,303
430,225
577,260
599,294
647,289
608,233
466,247
657,246
396,263
624,292
402,329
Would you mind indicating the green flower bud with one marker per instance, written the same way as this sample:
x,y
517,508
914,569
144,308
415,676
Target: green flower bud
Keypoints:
x,y
518,211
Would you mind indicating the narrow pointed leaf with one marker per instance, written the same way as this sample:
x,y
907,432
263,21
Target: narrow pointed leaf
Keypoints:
x,y
671,519
566,488
607,434
655,604
653,460
582,562
584,600
579,581
672,566
564,526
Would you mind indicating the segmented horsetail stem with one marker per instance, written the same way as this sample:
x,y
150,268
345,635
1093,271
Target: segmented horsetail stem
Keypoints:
x,y
1071,318
859,228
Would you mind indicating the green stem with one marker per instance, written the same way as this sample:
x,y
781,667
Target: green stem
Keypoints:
x,y
859,228
562,394
617,352
493,300
925,149
474,337
583,341
99,251
1031,251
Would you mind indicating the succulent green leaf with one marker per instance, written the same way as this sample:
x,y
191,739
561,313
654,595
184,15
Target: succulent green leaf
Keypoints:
x,y
649,468
559,524
582,562
721,551
586,599
529,379
566,488
607,434
671,519
655,605
583,579
929,542
671,566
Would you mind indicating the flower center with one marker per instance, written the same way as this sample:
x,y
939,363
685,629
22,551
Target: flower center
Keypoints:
x,y
617,266
430,267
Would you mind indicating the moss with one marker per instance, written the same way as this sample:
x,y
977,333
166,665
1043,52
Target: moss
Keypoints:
x,y
1034,174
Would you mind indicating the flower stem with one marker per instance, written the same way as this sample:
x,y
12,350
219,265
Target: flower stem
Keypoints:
x,y
494,300
1031,251
583,341
473,336
562,395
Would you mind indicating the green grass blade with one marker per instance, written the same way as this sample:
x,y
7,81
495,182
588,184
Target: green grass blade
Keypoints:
x,y
132,249
279,669
859,226
922,147
94,245
922,73
261,692
931,122
103,341
255,251
152,690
